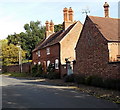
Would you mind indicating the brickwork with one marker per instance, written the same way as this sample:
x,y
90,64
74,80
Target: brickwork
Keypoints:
x,y
26,68
68,44
43,58
92,54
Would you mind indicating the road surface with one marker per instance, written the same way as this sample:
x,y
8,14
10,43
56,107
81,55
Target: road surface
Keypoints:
x,y
24,93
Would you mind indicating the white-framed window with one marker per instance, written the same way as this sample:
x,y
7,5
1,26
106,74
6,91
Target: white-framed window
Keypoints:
x,y
38,53
34,63
48,51
56,64
39,63
48,63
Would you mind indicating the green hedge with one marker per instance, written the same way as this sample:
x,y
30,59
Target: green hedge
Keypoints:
x,y
94,81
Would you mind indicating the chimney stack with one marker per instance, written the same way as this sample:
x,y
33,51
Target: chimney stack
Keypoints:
x,y
70,14
68,17
106,9
49,28
65,12
52,26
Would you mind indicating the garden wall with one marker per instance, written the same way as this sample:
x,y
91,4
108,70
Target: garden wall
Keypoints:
x,y
26,68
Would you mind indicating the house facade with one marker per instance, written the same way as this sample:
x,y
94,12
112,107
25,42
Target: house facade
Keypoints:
x,y
98,47
56,47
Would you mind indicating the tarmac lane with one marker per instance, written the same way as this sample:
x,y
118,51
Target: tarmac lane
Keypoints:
x,y
25,93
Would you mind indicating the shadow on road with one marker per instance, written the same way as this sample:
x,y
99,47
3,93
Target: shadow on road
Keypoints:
x,y
33,94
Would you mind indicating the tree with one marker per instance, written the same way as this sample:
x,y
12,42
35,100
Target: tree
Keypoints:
x,y
10,53
34,33
58,27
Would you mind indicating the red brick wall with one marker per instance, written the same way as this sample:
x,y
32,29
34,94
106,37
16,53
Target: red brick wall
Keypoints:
x,y
92,55
34,57
26,68
63,70
54,54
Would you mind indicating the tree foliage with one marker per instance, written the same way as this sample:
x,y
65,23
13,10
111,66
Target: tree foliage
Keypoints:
x,y
34,33
9,53
58,27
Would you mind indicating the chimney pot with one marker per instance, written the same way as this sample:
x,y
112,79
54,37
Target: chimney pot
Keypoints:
x,y
65,12
47,28
106,9
52,26
70,14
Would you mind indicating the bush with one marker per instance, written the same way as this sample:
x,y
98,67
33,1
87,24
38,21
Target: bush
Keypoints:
x,y
79,79
69,78
88,80
53,75
50,68
40,69
94,80
112,84
34,69
37,70
97,81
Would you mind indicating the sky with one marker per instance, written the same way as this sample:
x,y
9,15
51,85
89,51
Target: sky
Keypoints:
x,y
15,13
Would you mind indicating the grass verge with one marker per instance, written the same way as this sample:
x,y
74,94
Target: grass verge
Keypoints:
x,y
17,74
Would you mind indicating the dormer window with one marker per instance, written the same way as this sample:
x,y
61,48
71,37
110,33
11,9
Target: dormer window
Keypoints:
x,y
38,53
48,51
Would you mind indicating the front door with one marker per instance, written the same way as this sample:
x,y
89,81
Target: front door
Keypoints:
x,y
69,69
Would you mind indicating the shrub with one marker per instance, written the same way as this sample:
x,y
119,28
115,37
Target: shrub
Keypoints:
x,y
97,81
112,84
37,70
88,80
53,75
34,69
79,79
69,78
50,68
40,69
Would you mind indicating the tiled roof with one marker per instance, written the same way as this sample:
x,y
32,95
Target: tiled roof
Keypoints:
x,y
54,38
108,27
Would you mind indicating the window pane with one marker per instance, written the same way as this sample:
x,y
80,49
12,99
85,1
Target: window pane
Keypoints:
x,y
38,53
48,62
56,64
39,63
48,51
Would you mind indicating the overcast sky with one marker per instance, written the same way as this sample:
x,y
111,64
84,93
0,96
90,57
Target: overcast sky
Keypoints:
x,y
15,13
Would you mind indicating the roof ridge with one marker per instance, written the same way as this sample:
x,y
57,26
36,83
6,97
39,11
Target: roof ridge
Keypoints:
x,y
55,38
104,17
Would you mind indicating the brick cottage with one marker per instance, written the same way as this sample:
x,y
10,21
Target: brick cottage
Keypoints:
x,y
98,47
60,45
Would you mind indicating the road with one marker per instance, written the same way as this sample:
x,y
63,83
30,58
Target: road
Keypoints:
x,y
24,93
